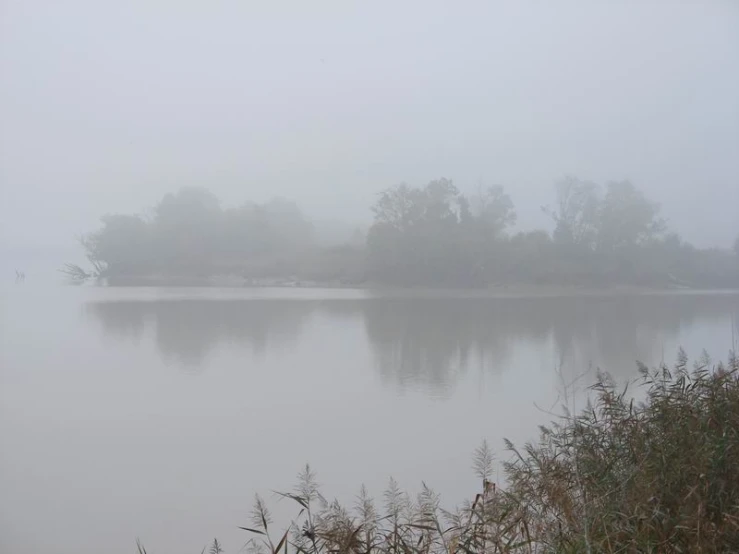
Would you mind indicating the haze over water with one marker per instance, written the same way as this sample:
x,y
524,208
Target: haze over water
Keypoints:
x,y
523,144
158,413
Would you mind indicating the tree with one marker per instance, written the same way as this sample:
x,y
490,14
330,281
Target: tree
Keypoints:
x,y
286,224
440,202
189,234
627,218
187,228
435,234
398,207
187,205
415,234
120,246
577,212
494,211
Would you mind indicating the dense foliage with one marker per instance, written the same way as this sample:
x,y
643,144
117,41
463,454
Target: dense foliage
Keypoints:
x,y
437,235
189,233
431,235
656,475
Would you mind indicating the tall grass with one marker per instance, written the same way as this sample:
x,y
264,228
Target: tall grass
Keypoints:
x,y
656,475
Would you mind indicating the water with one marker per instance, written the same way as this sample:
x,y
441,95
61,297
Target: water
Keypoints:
x,y
158,413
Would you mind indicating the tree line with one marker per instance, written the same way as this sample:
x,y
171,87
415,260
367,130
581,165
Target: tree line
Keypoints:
x,y
190,233
611,235
431,235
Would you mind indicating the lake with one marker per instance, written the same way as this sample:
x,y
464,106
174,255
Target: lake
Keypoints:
x,y
158,413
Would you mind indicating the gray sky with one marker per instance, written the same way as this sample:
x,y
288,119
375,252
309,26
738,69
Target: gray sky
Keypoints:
x,y
105,106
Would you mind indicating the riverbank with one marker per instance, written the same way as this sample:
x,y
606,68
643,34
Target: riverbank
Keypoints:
x,y
513,290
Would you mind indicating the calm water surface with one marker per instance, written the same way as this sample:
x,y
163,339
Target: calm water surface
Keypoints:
x,y
158,413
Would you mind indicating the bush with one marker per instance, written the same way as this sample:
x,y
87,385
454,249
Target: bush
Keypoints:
x,y
656,475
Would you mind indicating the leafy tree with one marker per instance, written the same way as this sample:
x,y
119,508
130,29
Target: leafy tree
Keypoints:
x,y
190,234
577,212
120,246
398,207
188,205
243,231
432,235
415,232
627,218
529,256
435,234
186,226
286,225
494,211
440,202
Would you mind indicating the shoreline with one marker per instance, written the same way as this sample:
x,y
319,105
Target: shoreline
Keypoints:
x,y
490,291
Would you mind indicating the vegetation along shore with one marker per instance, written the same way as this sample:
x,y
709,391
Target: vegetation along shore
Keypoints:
x,y
653,469
432,236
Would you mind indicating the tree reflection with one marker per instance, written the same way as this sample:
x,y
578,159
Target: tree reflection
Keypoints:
x,y
431,342
185,331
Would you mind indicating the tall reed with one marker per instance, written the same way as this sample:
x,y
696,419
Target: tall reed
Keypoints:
x,y
659,474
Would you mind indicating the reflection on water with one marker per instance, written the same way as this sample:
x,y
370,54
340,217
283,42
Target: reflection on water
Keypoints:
x,y
187,330
429,342
103,442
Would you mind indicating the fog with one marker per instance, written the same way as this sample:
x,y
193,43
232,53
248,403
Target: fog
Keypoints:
x,y
365,236
105,107
158,413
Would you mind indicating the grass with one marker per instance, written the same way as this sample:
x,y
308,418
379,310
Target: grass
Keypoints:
x,y
622,476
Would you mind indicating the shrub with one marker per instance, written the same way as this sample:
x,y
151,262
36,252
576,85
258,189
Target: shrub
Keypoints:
x,y
659,474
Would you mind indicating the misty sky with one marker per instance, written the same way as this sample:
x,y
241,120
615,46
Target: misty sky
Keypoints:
x,y
105,106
